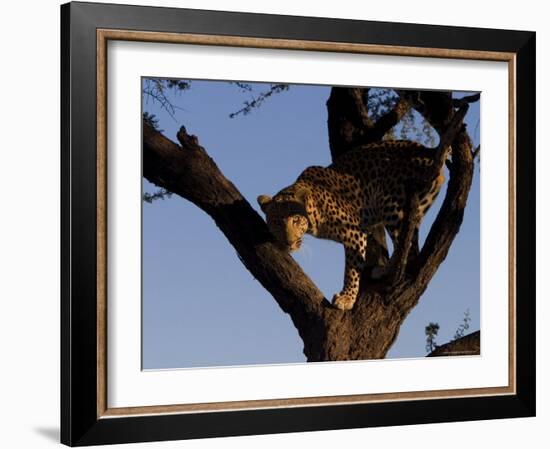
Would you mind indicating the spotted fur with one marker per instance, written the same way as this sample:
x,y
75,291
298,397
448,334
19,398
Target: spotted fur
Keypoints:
x,y
365,187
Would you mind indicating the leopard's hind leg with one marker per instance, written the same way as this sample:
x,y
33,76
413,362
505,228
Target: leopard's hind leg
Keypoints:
x,y
355,245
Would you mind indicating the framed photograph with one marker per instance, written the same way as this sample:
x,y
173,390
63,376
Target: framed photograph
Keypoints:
x,y
282,224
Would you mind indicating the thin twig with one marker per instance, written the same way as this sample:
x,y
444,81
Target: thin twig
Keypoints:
x,y
256,102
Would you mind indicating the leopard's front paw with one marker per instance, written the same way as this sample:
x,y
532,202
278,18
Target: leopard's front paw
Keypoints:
x,y
343,301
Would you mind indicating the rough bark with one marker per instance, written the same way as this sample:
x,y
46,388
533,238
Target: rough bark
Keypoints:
x,y
369,330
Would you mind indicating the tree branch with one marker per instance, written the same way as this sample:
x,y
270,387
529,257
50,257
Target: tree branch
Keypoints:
x,y
475,153
449,218
448,136
189,172
468,99
257,101
467,345
348,119
435,107
401,253
387,121
349,124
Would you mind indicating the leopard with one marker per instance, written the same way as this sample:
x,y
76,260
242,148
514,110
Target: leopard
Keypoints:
x,y
367,186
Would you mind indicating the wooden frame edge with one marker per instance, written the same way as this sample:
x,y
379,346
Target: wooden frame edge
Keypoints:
x,y
512,192
101,222
103,36
318,401
294,44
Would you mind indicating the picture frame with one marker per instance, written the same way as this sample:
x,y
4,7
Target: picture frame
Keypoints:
x,y
86,29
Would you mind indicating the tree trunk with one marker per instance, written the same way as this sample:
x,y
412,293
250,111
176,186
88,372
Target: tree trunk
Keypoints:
x,y
367,333
371,327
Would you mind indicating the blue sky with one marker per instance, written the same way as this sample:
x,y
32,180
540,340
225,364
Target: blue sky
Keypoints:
x,y
201,307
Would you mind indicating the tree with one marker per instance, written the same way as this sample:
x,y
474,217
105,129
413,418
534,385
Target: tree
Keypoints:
x,y
461,344
464,326
431,331
369,330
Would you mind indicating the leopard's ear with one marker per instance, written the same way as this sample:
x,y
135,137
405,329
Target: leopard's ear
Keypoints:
x,y
302,196
263,201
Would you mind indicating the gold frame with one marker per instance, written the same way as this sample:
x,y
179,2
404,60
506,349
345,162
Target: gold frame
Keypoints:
x,y
103,36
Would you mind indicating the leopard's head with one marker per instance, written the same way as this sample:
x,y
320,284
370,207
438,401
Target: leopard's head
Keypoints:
x,y
286,218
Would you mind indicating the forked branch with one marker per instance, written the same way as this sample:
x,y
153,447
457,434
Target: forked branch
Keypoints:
x,y
349,123
391,118
348,119
449,218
